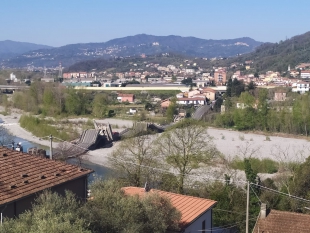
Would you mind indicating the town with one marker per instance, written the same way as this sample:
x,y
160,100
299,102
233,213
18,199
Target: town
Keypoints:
x,y
154,116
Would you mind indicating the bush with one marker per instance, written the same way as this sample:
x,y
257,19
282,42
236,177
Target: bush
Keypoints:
x,y
40,128
259,166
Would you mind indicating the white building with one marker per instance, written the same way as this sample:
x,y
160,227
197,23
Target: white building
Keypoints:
x,y
194,101
305,74
301,87
13,77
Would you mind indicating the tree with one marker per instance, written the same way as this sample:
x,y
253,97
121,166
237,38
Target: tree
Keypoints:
x,y
301,113
134,159
171,110
111,211
100,105
237,87
229,88
252,177
187,81
174,78
230,198
51,213
74,102
185,147
5,137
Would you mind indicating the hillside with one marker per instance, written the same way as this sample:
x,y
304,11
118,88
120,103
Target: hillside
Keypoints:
x,y
277,56
125,64
135,46
10,48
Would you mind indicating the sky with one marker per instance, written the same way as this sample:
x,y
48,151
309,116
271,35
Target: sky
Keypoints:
x,y
61,22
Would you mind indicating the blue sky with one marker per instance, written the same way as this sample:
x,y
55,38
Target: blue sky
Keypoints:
x,y
57,23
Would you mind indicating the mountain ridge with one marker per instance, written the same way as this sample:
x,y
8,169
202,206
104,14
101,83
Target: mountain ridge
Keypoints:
x,y
10,48
134,46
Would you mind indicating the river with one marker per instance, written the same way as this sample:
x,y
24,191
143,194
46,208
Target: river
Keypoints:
x,y
99,171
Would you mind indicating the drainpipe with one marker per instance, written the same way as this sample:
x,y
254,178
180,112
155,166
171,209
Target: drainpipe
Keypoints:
x,y
1,217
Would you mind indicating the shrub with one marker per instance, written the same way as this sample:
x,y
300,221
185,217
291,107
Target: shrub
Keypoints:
x,y
259,166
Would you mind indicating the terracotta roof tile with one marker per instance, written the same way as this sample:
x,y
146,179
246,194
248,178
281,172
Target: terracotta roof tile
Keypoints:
x,y
125,95
190,207
283,222
23,174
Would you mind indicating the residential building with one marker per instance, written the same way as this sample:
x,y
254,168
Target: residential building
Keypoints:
x,y
209,93
220,77
194,101
24,176
303,66
305,74
190,94
48,79
301,87
126,98
13,77
165,103
189,71
196,213
276,221
180,95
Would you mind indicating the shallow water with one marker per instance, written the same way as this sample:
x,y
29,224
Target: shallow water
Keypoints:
x,y
99,170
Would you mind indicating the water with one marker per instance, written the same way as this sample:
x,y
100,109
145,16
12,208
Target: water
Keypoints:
x,y
99,170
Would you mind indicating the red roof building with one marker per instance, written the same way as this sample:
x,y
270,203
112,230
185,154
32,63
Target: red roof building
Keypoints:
x,y
196,212
24,176
275,221
126,98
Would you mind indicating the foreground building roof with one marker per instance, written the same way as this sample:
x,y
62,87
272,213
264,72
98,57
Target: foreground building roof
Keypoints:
x,y
283,222
23,174
190,207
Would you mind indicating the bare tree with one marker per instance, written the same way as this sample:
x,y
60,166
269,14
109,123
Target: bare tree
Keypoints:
x,y
288,162
186,147
66,150
135,158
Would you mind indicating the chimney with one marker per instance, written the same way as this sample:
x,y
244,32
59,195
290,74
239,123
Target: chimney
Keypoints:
x,y
263,211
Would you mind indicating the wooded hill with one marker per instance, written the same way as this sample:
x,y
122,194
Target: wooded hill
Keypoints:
x,y
125,64
135,46
277,56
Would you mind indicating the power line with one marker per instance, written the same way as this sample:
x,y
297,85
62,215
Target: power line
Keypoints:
x,y
191,175
255,193
157,169
282,193
227,226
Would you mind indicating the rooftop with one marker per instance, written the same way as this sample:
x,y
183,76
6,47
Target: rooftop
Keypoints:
x,y
125,95
23,174
283,222
190,207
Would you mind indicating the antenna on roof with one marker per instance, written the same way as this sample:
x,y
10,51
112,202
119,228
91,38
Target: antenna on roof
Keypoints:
x,y
146,187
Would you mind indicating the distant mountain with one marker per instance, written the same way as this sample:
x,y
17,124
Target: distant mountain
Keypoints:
x,y
9,48
135,46
278,56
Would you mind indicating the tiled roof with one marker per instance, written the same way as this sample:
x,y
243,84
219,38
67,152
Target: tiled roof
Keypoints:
x,y
190,207
283,222
191,99
22,174
125,95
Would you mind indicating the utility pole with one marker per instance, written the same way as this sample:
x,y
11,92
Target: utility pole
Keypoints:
x,y
51,147
247,207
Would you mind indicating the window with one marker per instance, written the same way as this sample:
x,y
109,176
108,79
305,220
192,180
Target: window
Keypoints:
x,y
203,226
